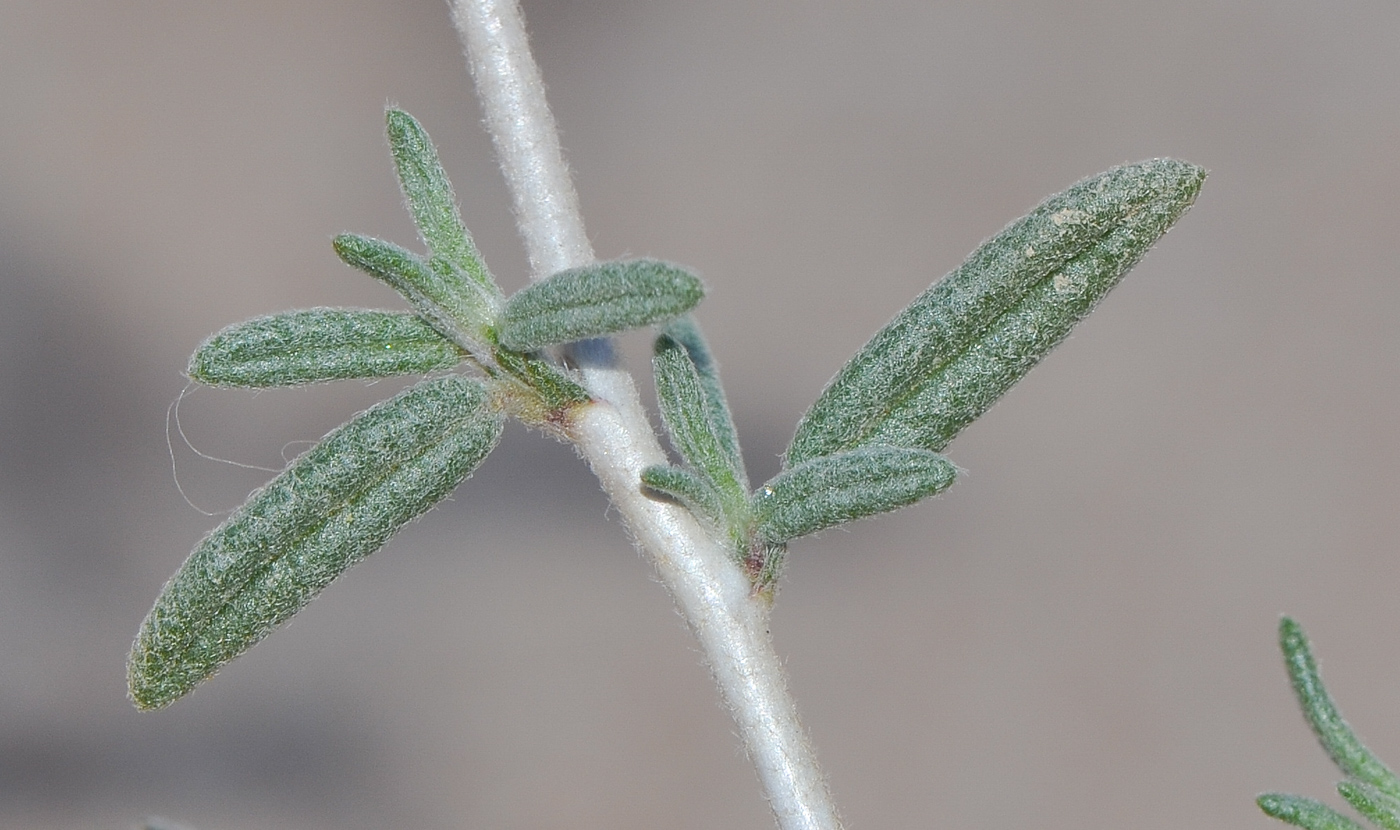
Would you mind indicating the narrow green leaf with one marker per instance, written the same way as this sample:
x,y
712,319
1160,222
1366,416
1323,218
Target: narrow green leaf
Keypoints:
x,y
1336,737
1383,810
432,202
948,356
596,300
329,509
321,344
834,489
685,331
1304,812
687,413
695,493
460,311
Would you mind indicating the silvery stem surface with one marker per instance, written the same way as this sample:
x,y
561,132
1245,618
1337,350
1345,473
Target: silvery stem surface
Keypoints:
x,y
614,435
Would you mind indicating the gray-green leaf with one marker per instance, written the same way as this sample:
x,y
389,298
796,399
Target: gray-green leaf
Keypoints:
x,y
329,509
321,344
835,489
690,417
1336,737
948,356
1304,812
1380,808
456,308
685,331
430,199
596,300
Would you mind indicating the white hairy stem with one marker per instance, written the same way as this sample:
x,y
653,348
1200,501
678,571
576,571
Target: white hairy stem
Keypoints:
x,y
614,435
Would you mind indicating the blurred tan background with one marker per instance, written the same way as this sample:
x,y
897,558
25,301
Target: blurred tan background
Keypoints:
x,y
1079,634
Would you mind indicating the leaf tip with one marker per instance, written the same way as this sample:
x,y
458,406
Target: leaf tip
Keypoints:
x,y
144,687
664,345
348,247
199,369
1176,182
400,125
1290,635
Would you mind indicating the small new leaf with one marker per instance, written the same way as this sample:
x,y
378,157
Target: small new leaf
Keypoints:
x,y
1304,812
690,419
432,203
948,356
695,493
1383,810
1336,737
460,311
321,344
835,489
548,384
332,507
596,300
685,331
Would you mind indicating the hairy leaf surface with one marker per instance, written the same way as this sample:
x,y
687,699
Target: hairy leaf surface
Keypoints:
x,y
690,419
948,356
596,300
329,509
685,331
835,489
321,344
433,205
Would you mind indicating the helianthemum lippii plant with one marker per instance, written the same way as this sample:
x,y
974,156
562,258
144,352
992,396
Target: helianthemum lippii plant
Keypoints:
x,y
871,443
341,500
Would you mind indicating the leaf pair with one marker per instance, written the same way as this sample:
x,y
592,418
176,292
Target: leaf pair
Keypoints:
x,y
460,312
344,498
592,301
869,443
1371,788
715,485
453,289
452,294
819,494
454,298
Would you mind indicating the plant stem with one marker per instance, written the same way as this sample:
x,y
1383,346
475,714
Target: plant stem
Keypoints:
x,y
614,435
517,115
